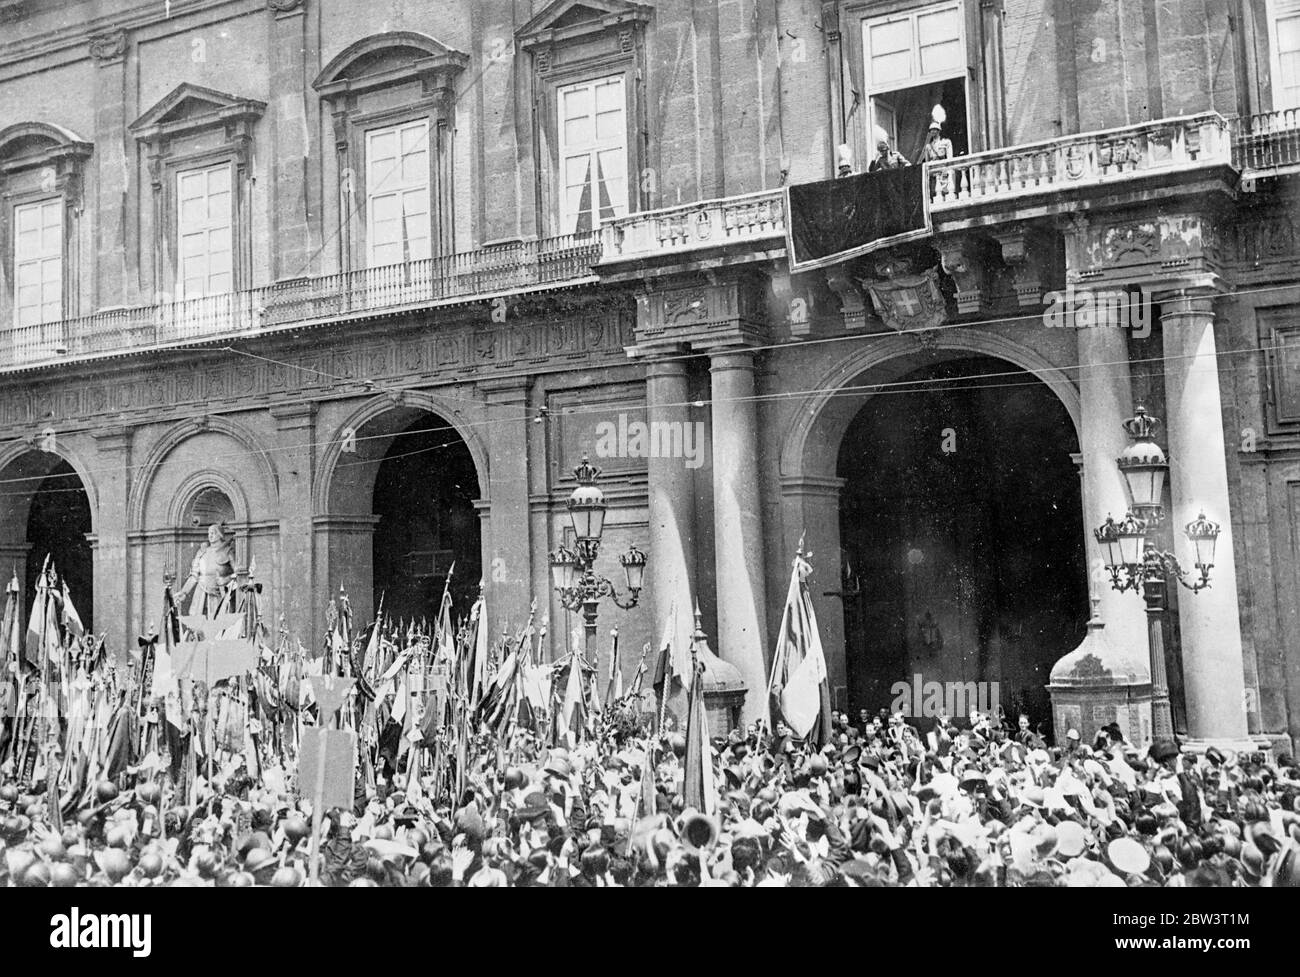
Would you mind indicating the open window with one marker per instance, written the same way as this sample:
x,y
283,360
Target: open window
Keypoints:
x,y
914,60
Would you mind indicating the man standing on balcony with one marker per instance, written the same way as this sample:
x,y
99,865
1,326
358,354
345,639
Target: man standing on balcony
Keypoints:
x,y
938,148
887,158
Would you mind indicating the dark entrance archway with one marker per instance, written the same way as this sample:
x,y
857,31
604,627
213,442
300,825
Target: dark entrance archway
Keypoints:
x,y
46,511
961,515
424,496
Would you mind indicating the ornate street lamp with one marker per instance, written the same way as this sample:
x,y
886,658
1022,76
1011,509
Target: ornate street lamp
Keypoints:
x,y
572,573
1143,465
1134,561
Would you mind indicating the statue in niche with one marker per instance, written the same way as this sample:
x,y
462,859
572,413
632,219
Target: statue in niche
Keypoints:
x,y
212,575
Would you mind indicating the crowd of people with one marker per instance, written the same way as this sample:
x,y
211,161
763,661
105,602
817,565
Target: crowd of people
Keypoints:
x,y
879,803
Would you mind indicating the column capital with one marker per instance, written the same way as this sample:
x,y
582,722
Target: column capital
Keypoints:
x,y
1181,300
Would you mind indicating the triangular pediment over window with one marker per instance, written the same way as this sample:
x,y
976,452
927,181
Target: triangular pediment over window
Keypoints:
x,y
566,19
188,107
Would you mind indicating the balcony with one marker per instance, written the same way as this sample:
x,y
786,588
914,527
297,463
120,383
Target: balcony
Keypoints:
x,y
1088,161
754,219
450,279
1267,144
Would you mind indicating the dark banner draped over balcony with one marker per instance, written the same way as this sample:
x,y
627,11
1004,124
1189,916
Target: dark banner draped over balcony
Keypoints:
x,y
834,220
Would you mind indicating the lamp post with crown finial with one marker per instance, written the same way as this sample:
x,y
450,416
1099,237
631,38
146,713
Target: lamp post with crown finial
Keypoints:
x,y
572,570
1133,560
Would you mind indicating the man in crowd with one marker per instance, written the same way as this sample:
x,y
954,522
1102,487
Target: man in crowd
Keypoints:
x,y
966,807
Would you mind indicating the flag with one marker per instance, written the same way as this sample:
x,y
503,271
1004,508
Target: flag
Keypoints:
x,y
71,619
614,691
799,683
699,790
572,707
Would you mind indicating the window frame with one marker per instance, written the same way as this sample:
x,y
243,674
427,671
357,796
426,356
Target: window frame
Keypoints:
x,y
849,71
912,15
15,264
39,162
179,232
563,155
564,54
1276,11
218,129
395,122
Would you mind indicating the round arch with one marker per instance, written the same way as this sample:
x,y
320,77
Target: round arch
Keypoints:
x,y
372,426
811,443
152,466
22,461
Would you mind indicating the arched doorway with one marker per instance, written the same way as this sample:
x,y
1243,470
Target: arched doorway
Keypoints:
x,y
961,516
46,511
424,495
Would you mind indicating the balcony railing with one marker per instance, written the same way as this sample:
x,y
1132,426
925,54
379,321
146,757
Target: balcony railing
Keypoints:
x,y
1268,144
753,217
1085,160
495,269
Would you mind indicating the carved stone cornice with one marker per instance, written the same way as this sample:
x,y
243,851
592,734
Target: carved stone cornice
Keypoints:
x,y
706,315
286,6
1179,250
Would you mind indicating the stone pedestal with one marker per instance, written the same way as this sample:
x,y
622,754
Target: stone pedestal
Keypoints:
x,y
1099,683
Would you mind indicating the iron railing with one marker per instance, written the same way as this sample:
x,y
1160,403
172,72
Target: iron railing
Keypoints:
x,y
487,271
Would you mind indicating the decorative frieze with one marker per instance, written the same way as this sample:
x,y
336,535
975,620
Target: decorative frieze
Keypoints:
x,y
439,354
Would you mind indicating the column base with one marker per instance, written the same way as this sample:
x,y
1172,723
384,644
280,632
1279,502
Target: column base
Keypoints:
x,y
1098,684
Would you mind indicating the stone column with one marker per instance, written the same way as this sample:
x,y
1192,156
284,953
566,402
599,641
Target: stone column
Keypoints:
x,y
671,496
1107,678
289,147
738,530
296,435
112,579
507,566
1210,621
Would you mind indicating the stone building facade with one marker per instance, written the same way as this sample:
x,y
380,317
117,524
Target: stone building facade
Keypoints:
x,y
254,250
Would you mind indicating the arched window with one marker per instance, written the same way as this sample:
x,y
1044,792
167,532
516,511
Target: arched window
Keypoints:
x,y
392,102
40,207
